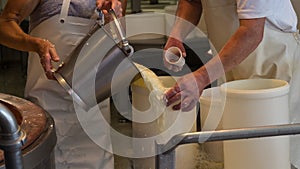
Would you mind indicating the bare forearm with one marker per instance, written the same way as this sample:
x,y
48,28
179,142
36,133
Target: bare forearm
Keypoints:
x,y
239,46
14,37
188,13
11,34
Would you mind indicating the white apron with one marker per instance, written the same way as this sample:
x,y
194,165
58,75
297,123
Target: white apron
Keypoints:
x,y
74,150
277,56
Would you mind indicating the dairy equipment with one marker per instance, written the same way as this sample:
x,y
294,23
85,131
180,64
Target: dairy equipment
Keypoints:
x,y
100,61
12,139
27,127
167,158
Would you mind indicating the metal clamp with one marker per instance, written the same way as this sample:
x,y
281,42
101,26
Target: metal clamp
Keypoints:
x,y
100,19
125,45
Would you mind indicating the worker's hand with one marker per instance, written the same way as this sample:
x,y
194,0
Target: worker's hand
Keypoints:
x,y
106,5
185,94
47,53
172,42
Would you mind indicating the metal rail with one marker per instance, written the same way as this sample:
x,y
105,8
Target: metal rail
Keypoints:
x,y
165,158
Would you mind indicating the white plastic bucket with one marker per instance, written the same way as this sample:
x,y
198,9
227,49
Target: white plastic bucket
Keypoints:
x,y
186,155
211,110
252,103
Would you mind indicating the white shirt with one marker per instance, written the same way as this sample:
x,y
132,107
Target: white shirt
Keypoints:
x,y
279,14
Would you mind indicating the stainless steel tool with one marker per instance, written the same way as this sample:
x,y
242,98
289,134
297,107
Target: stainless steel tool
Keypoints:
x,y
101,62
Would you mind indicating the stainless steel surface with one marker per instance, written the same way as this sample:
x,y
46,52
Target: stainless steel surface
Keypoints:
x,y
101,20
124,43
165,160
40,155
166,152
98,62
70,91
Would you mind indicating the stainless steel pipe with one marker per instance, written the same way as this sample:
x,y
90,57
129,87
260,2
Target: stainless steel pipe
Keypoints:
x,y
38,127
166,152
12,138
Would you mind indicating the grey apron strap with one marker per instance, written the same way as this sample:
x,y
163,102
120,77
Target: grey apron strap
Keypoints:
x,y
64,10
